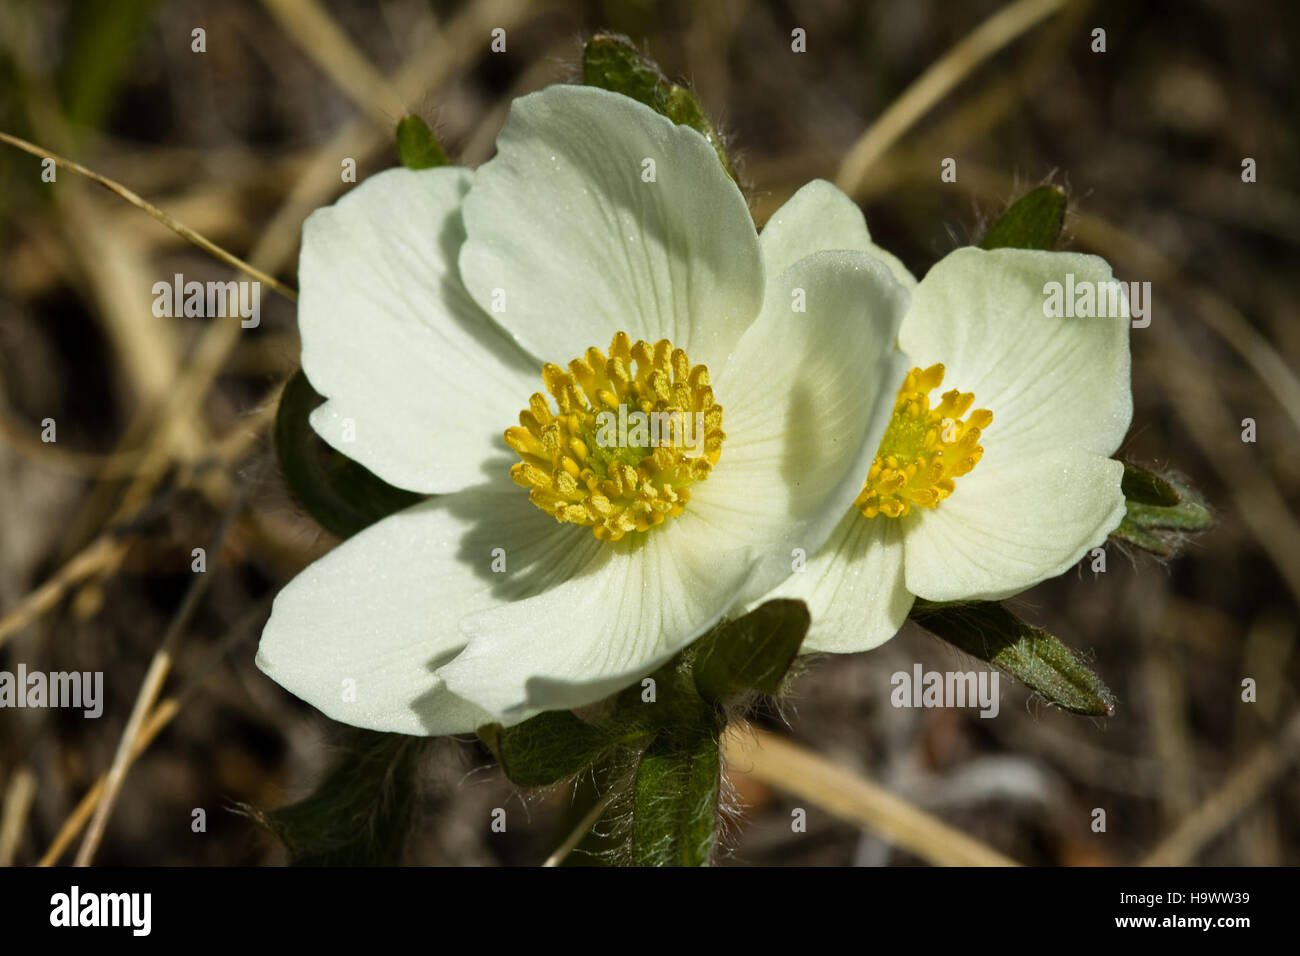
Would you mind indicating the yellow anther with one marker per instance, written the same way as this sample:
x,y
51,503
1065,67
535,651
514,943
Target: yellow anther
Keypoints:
x,y
923,448
634,482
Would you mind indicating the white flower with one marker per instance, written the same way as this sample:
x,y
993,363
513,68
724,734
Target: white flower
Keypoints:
x,y
1003,477
430,302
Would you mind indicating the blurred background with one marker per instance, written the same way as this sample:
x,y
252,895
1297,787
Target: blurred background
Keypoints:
x,y
162,423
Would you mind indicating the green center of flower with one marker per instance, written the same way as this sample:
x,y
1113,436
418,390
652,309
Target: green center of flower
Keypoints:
x,y
924,449
629,435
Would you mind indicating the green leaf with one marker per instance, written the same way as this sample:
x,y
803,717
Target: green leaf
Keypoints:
x,y
361,813
1033,222
613,63
339,493
676,701
1189,515
1034,657
1160,511
675,805
1145,487
554,745
685,110
1130,533
417,147
751,653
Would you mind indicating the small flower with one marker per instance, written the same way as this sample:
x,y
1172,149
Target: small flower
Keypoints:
x,y
554,568
1000,482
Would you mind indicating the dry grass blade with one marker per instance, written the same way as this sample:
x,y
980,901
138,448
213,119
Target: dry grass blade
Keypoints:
x,y
785,764
162,714
13,814
586,823
318,35
159,667
134,199
936,82
1244,786
97,555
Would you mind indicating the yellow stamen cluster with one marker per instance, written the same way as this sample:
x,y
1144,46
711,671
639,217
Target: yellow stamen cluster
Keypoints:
x,y
923,448
616,488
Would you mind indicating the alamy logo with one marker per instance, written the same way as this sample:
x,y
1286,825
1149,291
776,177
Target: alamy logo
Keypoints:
x,y
209,300
75,908
1086,299
76,689
948,689
638,429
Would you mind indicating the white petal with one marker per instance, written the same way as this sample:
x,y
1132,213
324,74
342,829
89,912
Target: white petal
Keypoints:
x,y
384,608
571,245
853,586
805,400
820,217
1004,530
421,385
1050,382
638,602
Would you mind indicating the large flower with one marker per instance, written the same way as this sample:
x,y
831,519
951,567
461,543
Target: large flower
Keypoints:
x,y
562,558
1002,480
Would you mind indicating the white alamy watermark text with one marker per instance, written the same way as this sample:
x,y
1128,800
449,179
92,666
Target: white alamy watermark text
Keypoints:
x,y
210,300
637,429
1086,299
923,688
75,908
76,689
